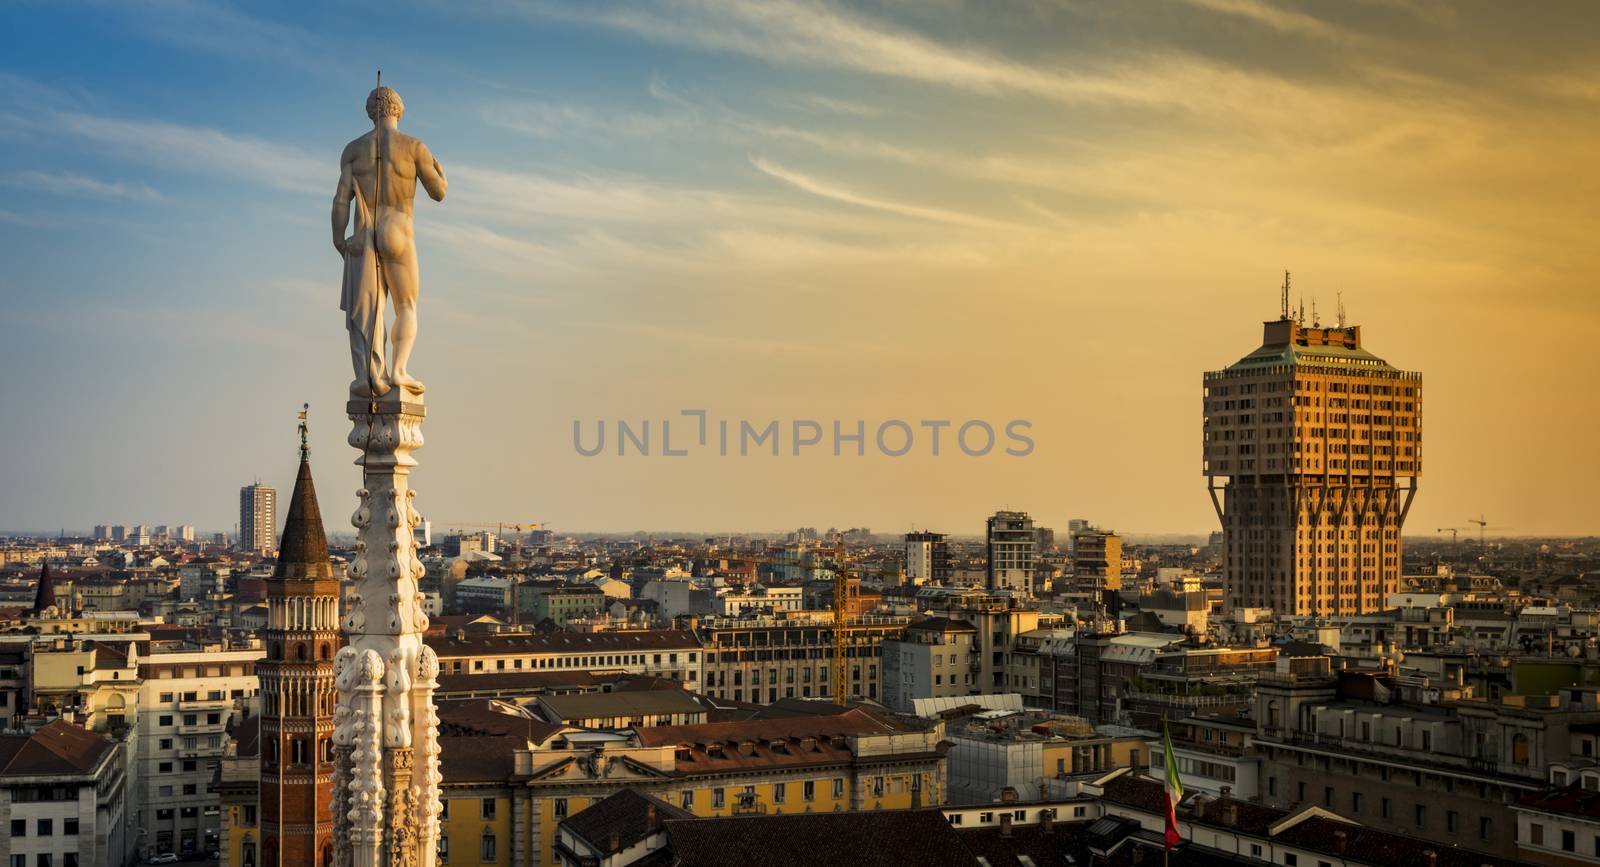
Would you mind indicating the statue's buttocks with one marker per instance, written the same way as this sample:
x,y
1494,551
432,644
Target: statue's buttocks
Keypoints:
x,y
378,174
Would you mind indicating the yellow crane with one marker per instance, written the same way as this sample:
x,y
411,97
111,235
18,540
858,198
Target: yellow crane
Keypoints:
x,y
841,615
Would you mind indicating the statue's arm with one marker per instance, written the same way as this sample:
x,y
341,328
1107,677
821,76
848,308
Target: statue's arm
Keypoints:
x,y
430,173
341,203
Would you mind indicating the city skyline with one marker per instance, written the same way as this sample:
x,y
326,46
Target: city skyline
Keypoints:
x,y
730,209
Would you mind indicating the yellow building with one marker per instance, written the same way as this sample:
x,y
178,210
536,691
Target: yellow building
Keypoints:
x,y
510,780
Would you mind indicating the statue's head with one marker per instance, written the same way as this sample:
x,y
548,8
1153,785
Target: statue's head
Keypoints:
x,y
384,102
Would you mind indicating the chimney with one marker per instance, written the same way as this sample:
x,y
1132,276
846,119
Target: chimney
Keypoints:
x,y
1047,822
651,821
1341,840
1230,814
614,843
1044,790
1005,824
1008,795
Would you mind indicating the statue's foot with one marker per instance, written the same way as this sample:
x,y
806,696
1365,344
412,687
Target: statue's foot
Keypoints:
x,y
359,389
408,383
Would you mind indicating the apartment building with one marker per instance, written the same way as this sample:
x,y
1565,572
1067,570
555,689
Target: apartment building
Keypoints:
x,y
935,659
509,781
669,653
1365,746
63,799
765,659
189,693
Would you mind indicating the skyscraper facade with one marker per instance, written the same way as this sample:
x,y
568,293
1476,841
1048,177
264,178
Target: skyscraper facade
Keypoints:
x,y
1012,548
258,518
298,691
1312,449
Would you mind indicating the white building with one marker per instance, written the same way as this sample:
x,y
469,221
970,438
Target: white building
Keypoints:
x,y
933,660
83,820
761,599
189,694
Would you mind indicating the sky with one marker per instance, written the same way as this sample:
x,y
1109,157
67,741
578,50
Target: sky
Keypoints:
x,y
1047,211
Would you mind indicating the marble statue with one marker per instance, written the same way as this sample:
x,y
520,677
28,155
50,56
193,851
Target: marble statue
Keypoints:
x,y
379,173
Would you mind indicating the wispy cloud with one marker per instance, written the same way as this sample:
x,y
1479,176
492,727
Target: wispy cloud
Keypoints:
x,y
847,196
841,106
550,120
202,149
70,184
821,35
1267,14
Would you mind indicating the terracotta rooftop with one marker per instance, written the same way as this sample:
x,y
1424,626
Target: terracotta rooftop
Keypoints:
x,y
59,748
628,813
1571,800
917,837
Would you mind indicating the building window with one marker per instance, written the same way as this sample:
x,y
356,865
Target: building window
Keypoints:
x,y
1291,859
559,808
838,787
69,827
686,799
444,849
718,798
780,792
1569,841
47,828
1451,820
19,827
808,790
486,809
1422,815
1485,828
444,808
1536,834
486,848
1384,807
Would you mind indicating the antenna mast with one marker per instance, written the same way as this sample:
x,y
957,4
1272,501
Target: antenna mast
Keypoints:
x,y
1286,294
1340,296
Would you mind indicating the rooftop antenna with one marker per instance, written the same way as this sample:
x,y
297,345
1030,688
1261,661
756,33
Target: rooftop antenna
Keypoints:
x,y
380,78
305,451
1286,294
1302,320
1341,307
1316,320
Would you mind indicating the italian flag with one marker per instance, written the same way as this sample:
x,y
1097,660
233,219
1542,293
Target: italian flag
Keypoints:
x,y
1174,788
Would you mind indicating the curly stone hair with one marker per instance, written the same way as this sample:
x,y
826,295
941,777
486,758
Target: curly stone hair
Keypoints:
x,y
384,102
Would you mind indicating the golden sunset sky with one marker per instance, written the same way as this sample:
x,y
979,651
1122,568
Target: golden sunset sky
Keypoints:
x,y
1058,211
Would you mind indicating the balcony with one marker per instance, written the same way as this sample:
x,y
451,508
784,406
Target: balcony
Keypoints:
x,y
216,728
205,704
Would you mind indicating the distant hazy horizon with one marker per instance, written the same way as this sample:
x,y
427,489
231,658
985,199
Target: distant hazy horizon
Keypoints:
x,y
1063,213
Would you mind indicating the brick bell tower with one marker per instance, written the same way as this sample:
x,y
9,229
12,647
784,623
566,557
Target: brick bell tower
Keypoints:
x,y
297,688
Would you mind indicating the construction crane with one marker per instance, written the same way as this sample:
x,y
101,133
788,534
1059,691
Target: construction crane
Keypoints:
x,y
1455,535
841,615
500,529
1481,524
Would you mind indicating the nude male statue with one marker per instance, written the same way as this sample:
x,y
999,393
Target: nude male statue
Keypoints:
x,y
379,172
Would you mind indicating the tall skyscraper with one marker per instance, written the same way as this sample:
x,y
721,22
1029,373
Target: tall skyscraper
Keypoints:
x,y
1312,449
298,690
927,558
258,518
1012,547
